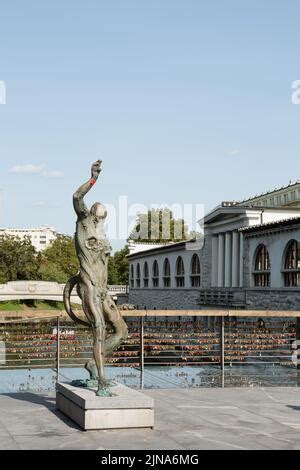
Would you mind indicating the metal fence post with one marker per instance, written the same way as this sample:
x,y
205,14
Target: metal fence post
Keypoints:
x,y
298,349
57,348
222,347
142,352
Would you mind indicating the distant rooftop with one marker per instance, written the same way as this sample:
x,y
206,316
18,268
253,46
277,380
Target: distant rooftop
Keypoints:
x,y
31,229
270,225
291,185
266,198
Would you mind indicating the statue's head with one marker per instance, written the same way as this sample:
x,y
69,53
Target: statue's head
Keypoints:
x,y
98,211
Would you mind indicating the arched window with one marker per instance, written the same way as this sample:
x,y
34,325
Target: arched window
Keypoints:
x,y
132,276
262,267
155,274
291,270
167,273
179,272
138,275
146,274
195,271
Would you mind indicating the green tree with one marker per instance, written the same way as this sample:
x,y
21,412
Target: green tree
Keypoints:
x,y
50,271
159,225
122,265
112,272
18,259
118,267
58,261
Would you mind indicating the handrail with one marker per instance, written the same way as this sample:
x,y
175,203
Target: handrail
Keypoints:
x,y
31,319
178,313
211,313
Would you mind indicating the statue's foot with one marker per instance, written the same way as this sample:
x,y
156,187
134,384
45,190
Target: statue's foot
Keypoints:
x,y
105,392
104,389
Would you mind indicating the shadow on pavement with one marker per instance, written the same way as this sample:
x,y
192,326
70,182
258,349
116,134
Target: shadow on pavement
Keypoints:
x,y
44,400
294,407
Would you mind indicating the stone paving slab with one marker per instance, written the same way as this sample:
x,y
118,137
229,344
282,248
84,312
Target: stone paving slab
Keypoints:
x,y
232,418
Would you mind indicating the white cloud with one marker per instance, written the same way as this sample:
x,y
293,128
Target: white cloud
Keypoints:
x,y
40,170
29,169
234,152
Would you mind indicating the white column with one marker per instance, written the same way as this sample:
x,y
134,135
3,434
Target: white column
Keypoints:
x,y
220,260
228,243
241,260
214,261
235,260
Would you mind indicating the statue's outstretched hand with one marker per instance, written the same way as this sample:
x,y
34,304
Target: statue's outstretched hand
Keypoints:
x,y
96,169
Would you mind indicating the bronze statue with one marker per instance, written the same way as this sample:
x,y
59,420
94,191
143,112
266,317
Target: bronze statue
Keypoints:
x,y
93,250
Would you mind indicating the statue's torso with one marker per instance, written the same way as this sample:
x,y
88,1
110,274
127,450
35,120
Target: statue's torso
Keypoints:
x,y
93,251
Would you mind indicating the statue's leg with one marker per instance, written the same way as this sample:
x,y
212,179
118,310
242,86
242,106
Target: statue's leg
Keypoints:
x,y
93,308
98,351
99,355
115,319
82,292
91,367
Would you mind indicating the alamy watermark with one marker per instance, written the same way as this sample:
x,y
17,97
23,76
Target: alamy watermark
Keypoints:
x,y
164,222
296,93
2,92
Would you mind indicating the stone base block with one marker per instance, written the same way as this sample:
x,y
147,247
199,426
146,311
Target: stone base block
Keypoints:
x,y
128,409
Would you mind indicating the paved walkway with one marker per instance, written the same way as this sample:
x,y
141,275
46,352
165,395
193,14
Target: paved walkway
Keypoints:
x,y
233,418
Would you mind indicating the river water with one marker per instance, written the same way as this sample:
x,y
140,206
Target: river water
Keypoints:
x,y
258,375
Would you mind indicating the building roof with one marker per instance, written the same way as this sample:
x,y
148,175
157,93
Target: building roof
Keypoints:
x,y
166,248
269,225
267,193
222,211
232,210
245,202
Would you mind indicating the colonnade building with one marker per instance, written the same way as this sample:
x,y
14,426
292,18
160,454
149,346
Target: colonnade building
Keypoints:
x,y
249,258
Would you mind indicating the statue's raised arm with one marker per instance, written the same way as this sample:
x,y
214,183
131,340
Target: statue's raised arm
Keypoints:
x,y
78,202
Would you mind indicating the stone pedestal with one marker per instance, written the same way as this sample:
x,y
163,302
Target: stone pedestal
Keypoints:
x,y
128,409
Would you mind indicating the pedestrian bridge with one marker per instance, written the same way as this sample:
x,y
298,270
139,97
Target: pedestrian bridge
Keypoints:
x,y
43,290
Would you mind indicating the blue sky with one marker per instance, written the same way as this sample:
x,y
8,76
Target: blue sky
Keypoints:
x,y
185,101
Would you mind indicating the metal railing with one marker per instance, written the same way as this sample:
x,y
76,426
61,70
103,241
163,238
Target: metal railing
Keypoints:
x,y
159,338
120,289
